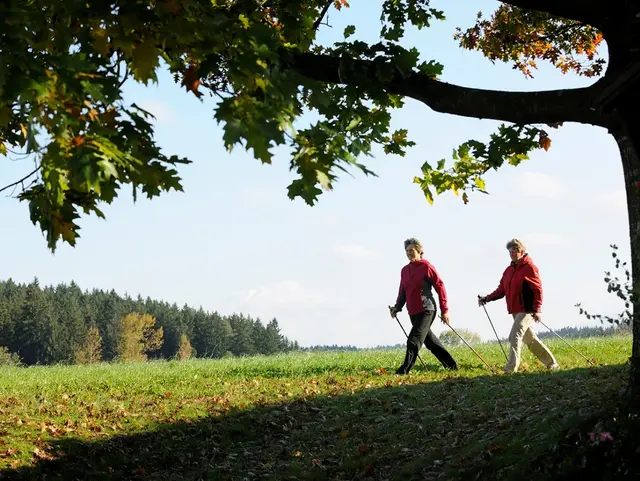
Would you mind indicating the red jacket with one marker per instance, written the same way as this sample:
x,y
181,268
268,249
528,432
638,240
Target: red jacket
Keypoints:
x,y
416,280
522,287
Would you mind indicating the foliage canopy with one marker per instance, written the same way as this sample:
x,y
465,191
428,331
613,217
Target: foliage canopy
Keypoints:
x,y
63,66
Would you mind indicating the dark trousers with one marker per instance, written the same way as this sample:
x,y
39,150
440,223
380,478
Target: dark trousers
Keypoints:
x,y
421,332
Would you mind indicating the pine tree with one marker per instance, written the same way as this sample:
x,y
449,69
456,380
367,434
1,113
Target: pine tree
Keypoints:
x,y
71,321
272,338
243,344
35,327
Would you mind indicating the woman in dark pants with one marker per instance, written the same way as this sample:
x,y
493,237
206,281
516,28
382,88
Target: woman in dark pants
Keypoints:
x,y
416,282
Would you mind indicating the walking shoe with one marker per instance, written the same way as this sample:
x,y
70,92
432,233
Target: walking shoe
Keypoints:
x,y
555,366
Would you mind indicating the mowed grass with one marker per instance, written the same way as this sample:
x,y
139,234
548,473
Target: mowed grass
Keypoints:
x,y
330,415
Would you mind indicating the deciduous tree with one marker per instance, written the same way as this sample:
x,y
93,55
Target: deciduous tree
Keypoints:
x,y
448,338
64,64
137,336
91,351
184,348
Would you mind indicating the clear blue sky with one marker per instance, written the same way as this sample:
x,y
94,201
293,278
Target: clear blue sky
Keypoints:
x,y
234,242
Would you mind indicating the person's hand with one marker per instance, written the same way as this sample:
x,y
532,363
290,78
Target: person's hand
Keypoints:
x,y
393,311
537,316
482,301
445,318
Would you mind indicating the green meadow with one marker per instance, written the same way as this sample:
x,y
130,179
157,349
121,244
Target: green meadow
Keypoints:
x,y
303,415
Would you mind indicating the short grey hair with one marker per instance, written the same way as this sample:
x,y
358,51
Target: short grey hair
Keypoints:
x,y
415,242
516,244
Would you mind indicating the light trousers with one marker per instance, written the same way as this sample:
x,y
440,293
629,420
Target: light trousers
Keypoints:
x,y
522,332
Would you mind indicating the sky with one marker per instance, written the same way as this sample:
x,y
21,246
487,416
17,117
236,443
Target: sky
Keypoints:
x,y
234,242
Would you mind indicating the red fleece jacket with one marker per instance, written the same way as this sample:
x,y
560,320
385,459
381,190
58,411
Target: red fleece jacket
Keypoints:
x,y
416,280
522,287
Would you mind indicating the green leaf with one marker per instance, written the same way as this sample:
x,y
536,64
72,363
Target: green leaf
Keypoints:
x,y
432,69
428,195
244,21
324,179
349,30
108,169
233,133
354,122
5,116
145,61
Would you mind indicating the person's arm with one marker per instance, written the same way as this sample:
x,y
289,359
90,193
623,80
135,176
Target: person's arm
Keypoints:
x,y
532,278
495,295
438,285
401,299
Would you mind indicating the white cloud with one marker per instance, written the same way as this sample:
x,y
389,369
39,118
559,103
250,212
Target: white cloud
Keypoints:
x,y
286,293
356,251
537,184
615,199
159,110
546,239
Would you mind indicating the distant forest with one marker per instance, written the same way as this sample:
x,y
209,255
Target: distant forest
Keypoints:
x,y
566,332
63,324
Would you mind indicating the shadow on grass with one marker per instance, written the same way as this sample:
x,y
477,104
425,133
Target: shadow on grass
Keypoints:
x,y
489,427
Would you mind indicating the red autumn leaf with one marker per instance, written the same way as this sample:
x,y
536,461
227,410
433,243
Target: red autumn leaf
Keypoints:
x,y
363,449
77,140
545,141
8,453
191,81
493,448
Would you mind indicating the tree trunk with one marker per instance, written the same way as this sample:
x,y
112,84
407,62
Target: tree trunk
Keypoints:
x,y
628,140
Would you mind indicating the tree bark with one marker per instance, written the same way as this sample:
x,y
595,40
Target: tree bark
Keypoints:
x,y
628,140
544,107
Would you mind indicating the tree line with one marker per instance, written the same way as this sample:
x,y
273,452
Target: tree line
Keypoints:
x,y
448,338
64,324
578,332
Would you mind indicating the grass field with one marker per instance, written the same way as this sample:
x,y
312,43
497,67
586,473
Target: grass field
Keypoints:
x,y
301,416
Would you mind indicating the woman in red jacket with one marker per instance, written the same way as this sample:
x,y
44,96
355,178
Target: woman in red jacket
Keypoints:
x,y
521,286
416,280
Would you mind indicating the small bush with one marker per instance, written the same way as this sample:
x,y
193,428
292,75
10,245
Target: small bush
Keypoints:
x,y
8,358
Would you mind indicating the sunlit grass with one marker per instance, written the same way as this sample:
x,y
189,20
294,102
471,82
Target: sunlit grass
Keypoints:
x,y
318,415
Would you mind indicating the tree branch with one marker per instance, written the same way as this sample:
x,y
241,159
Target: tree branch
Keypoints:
x,y
545,107
325,9
7,187
564,29
591,12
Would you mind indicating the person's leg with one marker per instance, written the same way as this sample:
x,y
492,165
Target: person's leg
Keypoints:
x,y
414,341
521,323
433,343
539,349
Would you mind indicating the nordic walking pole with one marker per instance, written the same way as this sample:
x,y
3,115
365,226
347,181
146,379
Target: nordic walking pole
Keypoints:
x,y
552,331
405,335
469,346
494,329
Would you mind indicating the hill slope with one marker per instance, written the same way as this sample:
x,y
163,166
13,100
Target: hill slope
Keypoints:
x,y
300,416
